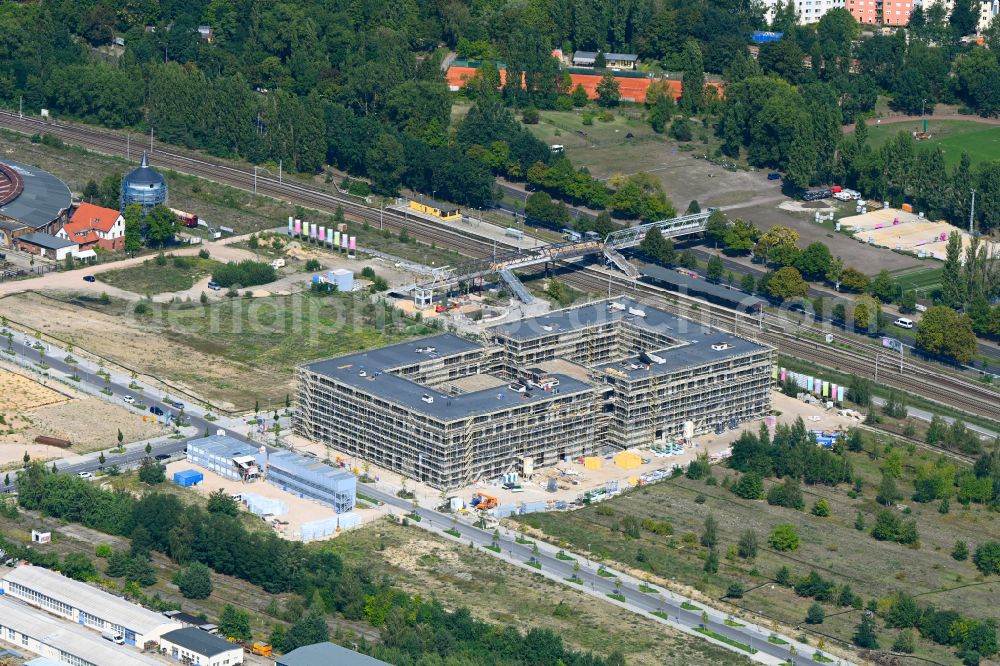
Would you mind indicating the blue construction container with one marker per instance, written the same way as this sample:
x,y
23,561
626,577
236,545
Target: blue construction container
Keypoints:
x,y
765,36
188,477
343,278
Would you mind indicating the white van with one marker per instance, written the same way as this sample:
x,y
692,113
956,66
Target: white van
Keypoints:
x,y
904,322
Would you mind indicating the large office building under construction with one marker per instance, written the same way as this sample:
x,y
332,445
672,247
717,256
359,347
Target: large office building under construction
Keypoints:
x,y
449,411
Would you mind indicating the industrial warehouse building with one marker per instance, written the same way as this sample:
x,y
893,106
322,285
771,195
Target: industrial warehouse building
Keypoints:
x,y
194,646
306,477
86,605
450,411
31,201
62,642
326,654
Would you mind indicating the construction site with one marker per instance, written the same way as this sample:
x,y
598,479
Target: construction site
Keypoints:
x,y
592,379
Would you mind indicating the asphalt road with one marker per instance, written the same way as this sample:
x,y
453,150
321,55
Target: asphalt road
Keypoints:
x,y
23,347
661,602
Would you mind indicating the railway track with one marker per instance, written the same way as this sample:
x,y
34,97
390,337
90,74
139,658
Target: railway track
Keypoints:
x,y
932,382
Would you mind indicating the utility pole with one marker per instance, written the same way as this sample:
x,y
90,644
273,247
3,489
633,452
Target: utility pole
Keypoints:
x,y
20,107
150,140
128,146
255,180
972,211
279,170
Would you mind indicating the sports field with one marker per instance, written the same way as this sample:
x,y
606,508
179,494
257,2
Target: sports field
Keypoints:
x,y
980,140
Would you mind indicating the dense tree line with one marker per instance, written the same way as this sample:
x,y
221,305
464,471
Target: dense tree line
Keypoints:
x,y
974,639
791,453
413,628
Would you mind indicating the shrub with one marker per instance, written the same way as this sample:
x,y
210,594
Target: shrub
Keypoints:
x,y
194,582
960,552
246,273
735,591
203,253
661,527
889,527
681,129
987,558
78,567
747,547
151,472
904,642
102,550
821,508
749,486
784,537
815,586
815,614
313,265
788,494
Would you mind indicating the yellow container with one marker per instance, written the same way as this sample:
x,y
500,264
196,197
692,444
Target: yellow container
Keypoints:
x,y
592,462
628,460
633,481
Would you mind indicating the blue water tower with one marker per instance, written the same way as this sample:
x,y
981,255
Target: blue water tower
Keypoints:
x,y
144,186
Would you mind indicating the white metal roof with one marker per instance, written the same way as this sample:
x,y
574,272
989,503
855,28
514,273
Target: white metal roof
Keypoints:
x,y
85,597
66,636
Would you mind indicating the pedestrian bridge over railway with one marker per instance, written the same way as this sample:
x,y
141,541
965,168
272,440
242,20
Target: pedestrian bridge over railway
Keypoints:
x,y
504,263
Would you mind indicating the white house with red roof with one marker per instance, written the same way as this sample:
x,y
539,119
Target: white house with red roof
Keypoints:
x,y
93,225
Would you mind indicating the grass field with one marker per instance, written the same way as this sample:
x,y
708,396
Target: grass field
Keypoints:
x,y
428,565
230,352
980,140
177,274
924,280
831,546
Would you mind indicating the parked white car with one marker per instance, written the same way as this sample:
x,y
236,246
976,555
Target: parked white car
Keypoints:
x,y
129,400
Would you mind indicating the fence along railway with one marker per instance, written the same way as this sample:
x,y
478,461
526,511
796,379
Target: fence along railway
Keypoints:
x,y
929,381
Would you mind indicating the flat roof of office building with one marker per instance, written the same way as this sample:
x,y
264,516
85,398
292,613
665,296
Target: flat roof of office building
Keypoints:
x,y
693,341
200,642
224,446
375,380
304,467
66,636
695,352
600,312
88,598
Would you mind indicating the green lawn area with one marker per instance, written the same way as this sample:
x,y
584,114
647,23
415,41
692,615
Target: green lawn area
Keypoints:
x,y
177,274
279,332
980,140
924,279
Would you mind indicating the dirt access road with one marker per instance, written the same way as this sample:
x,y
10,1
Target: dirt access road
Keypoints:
x,y
73,280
